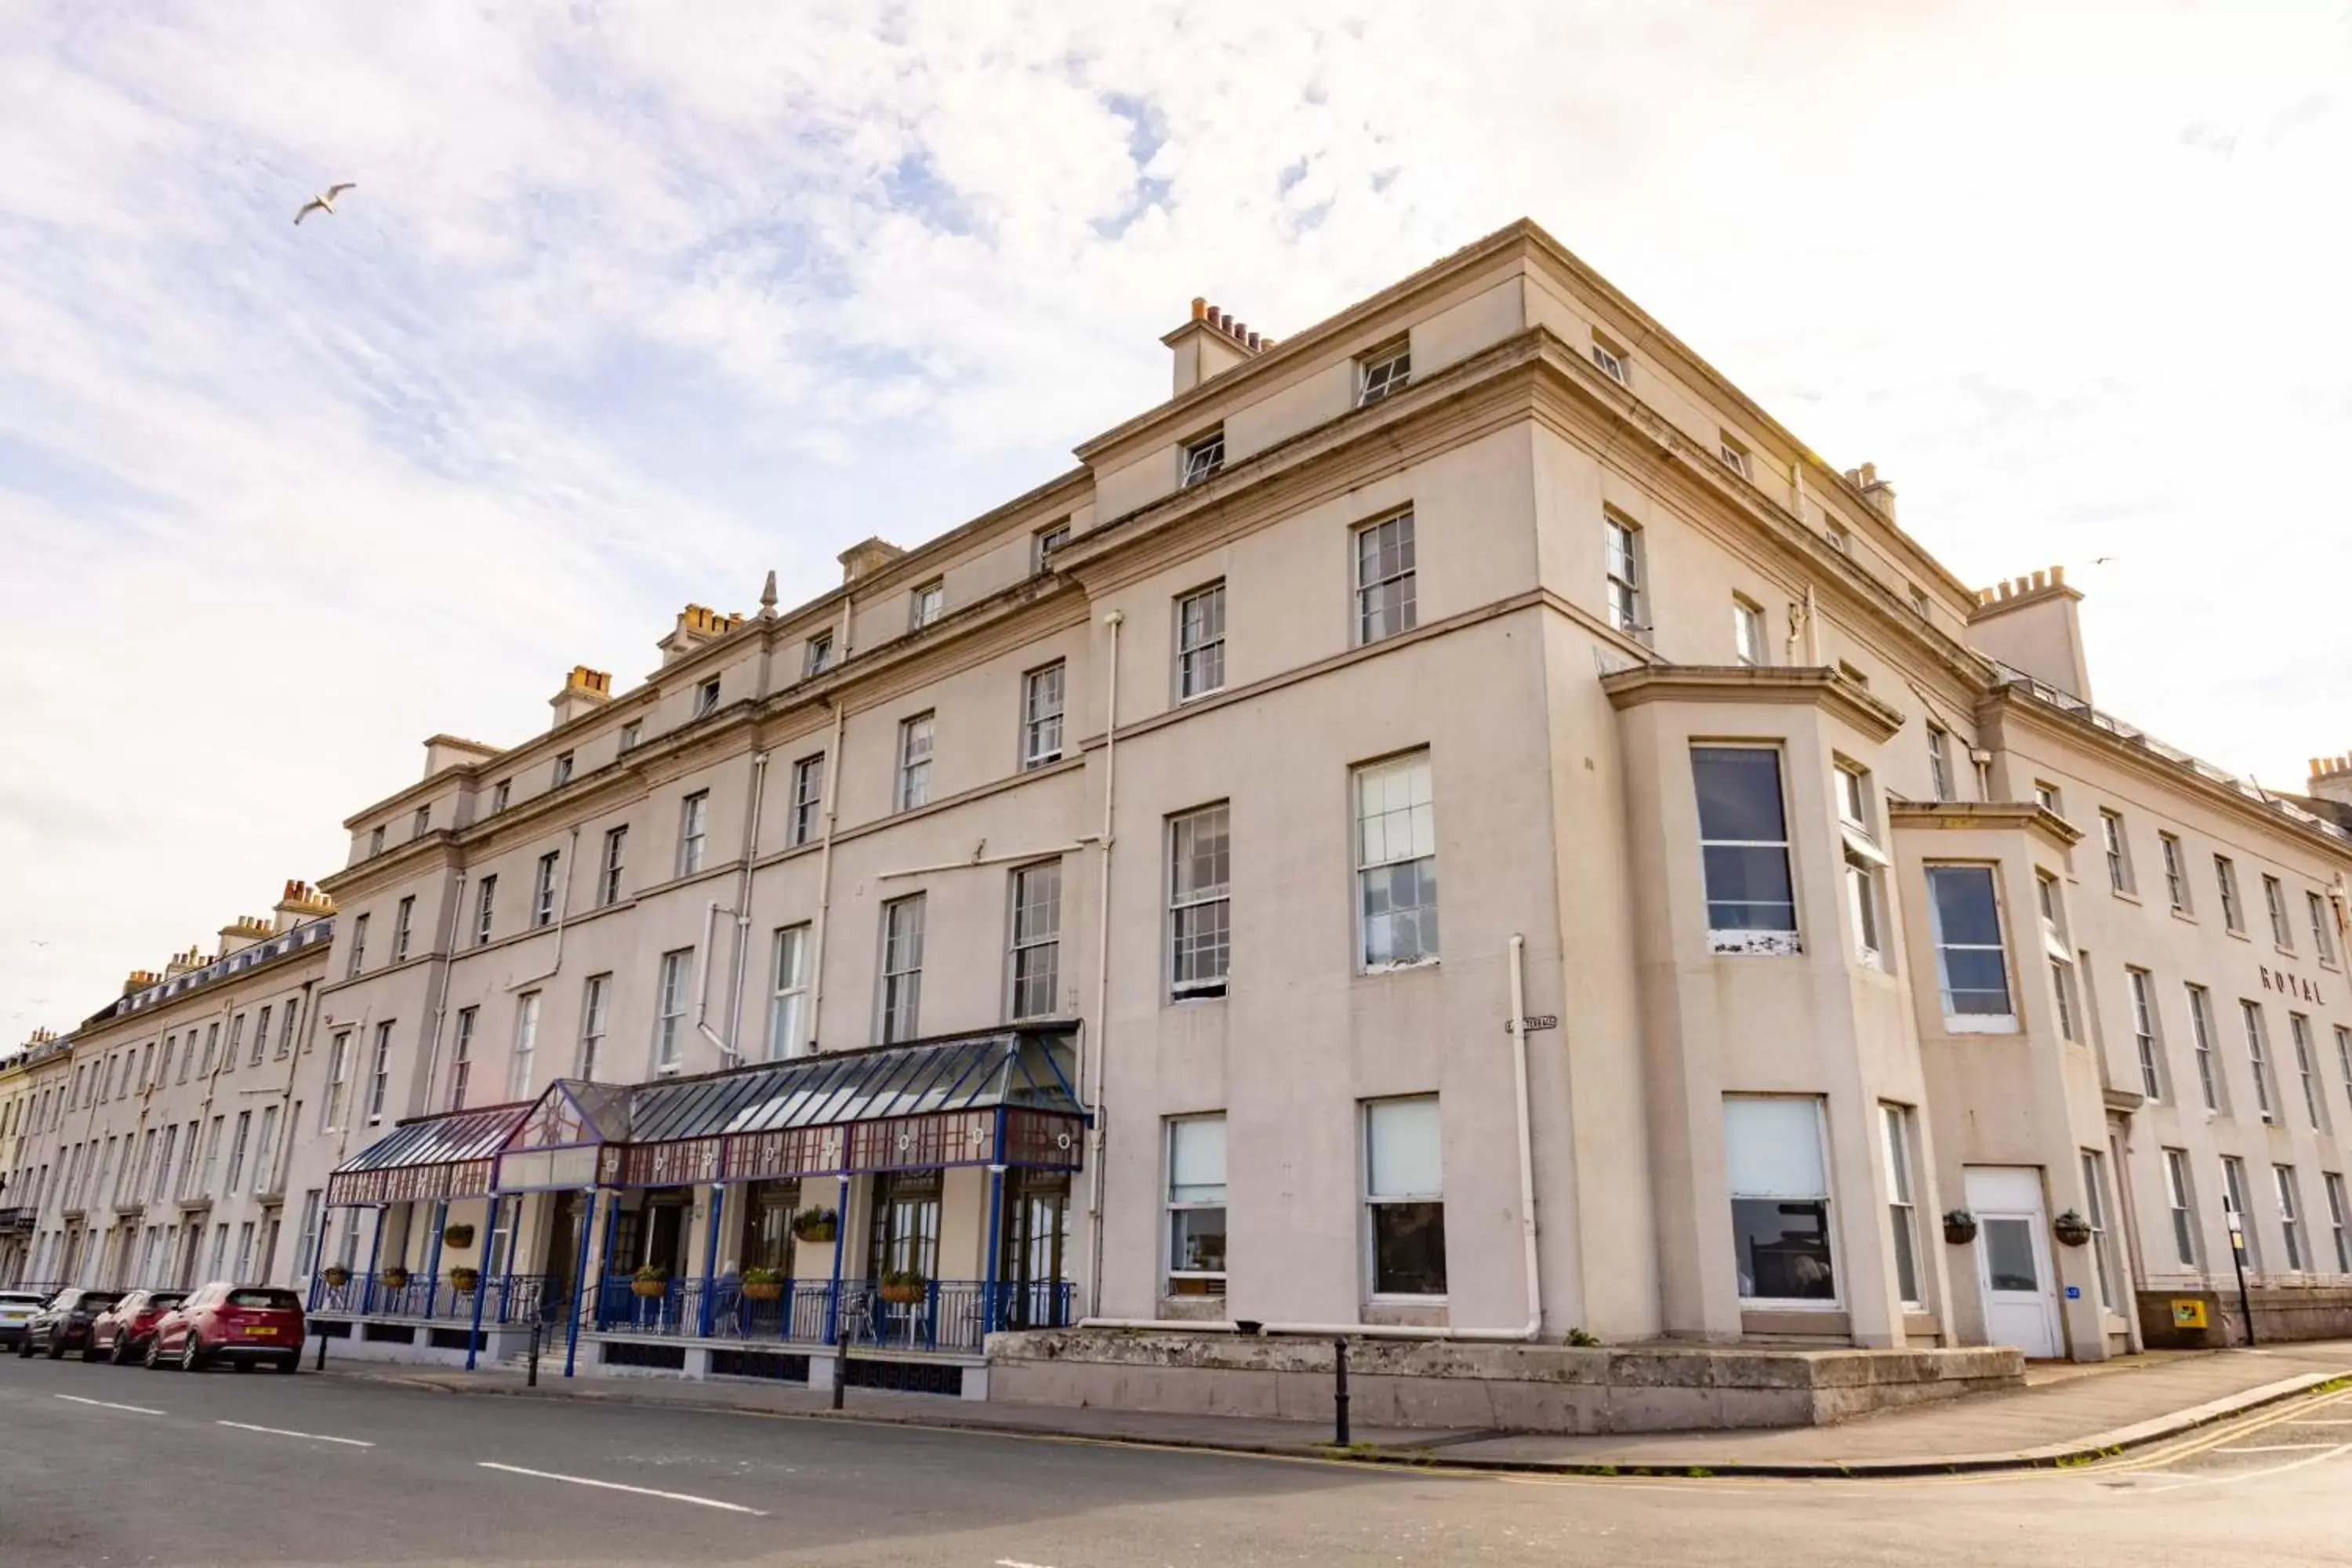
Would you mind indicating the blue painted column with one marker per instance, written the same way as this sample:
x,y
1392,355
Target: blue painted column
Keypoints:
x,y
990,1316
432,1259
482,1279
580,1282
375,1253
710,1253
840,1238
605,1262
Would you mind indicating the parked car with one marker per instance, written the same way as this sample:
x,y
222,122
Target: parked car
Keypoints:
x,y
63,1322
120,1332
240,1324
15,1307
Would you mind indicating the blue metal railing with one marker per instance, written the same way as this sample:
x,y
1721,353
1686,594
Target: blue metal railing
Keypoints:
x,y
950,1314
507,1298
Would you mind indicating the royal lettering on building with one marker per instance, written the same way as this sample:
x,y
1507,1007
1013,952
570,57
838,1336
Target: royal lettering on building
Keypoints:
x,y
2294,985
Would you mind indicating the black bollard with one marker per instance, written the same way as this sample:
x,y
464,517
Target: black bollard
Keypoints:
x,y
323,1350
1339,1392
840,1374
532,1378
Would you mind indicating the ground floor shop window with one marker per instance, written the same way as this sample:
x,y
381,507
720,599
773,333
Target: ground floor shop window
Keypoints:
x,y
1404,1197
905,1232
767,1209
1780,1199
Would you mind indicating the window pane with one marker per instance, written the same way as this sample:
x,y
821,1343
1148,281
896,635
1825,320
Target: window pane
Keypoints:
x,y
1409,1249
1738,792
2009,1255
1196,1160
1782,1249
1772,1148
1964,904
1403,1148
1749,889
1197,1240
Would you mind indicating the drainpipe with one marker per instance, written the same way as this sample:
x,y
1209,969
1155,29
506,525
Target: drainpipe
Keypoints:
x,y
1095,1039
1526,1224
825,860
441,1007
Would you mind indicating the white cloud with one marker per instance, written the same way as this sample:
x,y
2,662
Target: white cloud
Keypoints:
x,y
631,306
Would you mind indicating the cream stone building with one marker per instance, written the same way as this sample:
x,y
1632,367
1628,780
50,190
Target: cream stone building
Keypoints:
x,y
1456,822
154,1142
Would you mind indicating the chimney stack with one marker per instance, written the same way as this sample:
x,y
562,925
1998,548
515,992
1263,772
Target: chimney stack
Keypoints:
x,y
867,557
1211,343
1878,492
585,691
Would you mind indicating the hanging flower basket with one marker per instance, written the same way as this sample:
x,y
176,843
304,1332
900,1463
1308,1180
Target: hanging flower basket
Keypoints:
x,y
465,1279
336,1276
1959,1227
395,1277
904,1288
650,1281
2070,1228
762,1285
458,1236
816,1224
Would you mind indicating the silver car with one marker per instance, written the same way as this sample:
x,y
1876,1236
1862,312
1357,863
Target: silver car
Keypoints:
x,y
15,1307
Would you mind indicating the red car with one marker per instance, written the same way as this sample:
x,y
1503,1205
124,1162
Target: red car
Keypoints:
x,y
120,1332
240,1324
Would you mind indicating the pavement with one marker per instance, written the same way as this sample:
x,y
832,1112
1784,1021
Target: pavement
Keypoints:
x,y
101,1465
2067,1415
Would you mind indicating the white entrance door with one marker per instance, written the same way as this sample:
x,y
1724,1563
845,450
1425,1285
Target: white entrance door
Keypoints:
x,y
2013,1269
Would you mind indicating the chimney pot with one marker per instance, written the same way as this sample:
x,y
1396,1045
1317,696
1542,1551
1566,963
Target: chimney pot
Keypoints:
x,y
1253,343
2041,579
1199,307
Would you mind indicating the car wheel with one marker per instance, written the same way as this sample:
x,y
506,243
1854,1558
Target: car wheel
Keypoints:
x,y
89,1351
155,1358
192,1352
291,1363
56,1347
25,1348
240,1367
122,1355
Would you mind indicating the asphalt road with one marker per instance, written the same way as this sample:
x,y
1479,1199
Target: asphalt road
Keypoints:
x,y
108,1465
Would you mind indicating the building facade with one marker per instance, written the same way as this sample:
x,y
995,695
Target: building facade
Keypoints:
x,y
1455,821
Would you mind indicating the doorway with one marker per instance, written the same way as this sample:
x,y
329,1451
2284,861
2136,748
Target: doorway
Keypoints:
x,y
1036,1226
2013,1267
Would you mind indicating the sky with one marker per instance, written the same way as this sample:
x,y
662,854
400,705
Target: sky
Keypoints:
x,y
633,303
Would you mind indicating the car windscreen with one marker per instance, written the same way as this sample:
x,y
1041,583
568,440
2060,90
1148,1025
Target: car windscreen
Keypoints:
x,y
97,1300
20,1298
167,1298
271,1300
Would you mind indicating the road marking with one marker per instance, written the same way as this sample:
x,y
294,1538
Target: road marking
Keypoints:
x,y
107,1405
2278,1447
1016,1563
617,1487
2234,1479
282,1432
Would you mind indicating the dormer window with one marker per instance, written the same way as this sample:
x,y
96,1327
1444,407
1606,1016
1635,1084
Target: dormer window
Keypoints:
x,y
1204,456
375,842
1841,540
423,823
1735,457
819,657
706,697
1614,361
631,732
562,772
1049,539
500,794
1382,371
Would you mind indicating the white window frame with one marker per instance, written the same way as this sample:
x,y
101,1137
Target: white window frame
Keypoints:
x,y
1956,1023
1054,536
1043,695
1387,571
542,894
2111,840
2225,879
1735,457
332,1104
611,866
1374,1200
2237,1191
1199,665
2181,1202
898,993
2283,1182
2258,1055
1383,372
1939,762
672,980
788,991
817,656
2274,903
1173,1206
1765,940
2094,1204
706,697
2339,1218
1202,459
1902,1205
693,831
461,1057
631,733
596,1023
1188,908
2306,1067
917,742
561,775
522,1066
1034,959
404,917
2323,943
1380,856
2344,1058
808,799
1835,1300
2147,1030
1625,576
359,947
926,603
486,901
1613,361
1749,644
379,1088
1863,863
500,793
2176,877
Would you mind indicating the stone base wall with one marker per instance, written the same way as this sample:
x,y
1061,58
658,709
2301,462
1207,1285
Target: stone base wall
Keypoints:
x,y
1493,1387
2282,1314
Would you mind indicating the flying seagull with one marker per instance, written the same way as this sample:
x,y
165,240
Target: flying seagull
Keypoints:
x,y
325,204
